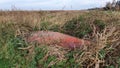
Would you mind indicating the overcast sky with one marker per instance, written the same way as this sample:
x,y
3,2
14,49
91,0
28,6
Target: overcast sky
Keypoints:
x,y
52,4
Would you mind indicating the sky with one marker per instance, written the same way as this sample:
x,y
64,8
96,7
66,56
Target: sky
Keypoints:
x,y
51,4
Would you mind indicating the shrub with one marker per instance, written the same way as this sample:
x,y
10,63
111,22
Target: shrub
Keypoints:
x,y
108,6
77,27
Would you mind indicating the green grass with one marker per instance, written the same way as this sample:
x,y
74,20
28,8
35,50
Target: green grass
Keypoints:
x,y
77,27
13,57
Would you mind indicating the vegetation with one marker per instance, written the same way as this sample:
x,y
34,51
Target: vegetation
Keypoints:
x,y
115,5
77,27
100,27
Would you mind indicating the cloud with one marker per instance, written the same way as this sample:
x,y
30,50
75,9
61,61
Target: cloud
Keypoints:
x,y
52,4
48,4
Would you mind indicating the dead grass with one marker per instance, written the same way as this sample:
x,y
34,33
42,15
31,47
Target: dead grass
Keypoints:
x,y
103,42
102,53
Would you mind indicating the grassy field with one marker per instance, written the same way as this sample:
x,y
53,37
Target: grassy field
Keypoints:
x,y
102,28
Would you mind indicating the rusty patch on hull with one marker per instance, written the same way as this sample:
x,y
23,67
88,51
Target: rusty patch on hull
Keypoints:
x,y
49,37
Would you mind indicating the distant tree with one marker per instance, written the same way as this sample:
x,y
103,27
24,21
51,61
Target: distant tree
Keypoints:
x,y
117,6
114,5
118,2
108,6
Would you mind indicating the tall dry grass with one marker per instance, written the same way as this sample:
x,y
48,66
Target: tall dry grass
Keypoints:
x,y
103,52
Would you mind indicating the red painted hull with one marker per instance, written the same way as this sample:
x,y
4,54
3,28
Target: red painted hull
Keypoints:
x,y
49,37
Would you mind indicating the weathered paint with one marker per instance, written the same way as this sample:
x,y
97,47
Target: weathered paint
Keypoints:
x,y
49,37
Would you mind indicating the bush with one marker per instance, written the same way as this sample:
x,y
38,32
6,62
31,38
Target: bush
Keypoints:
x,y
77,27
108,6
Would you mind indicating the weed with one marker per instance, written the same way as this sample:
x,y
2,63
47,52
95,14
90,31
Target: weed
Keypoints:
x,y
11,56
55,28
100,25
102,54
77,27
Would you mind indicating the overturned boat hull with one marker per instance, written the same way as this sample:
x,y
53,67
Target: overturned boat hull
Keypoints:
x,y
64,40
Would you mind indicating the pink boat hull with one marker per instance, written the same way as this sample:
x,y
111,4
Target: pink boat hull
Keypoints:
x,y
49,37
